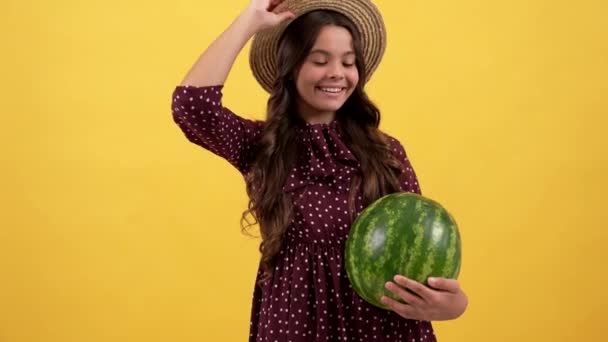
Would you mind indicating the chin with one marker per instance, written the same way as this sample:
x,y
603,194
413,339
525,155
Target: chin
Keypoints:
x,y
328,107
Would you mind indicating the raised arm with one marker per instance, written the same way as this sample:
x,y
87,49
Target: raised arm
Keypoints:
x,y
197,102
214,64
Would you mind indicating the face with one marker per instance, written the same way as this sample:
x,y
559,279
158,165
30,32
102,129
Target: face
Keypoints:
x,y
328,75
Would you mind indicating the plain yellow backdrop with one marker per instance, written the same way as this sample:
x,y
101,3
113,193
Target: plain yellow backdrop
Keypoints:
x,y
114,227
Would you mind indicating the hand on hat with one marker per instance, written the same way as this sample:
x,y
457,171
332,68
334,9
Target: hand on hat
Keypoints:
x,y
263,15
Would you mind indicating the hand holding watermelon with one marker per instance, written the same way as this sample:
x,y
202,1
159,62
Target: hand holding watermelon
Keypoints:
x,y
444,301
411,236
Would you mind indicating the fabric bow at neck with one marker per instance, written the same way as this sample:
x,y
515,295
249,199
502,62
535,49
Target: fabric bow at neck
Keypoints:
x,y
322,156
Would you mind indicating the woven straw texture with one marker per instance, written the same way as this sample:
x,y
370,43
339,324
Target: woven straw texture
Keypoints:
x,y
362,13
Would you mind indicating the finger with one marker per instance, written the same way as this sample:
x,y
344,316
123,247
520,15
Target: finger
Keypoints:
x,y
444,284
402,293
422,291
273,4
404,310
285,16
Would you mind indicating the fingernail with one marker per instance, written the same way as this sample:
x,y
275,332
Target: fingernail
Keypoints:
x,y
432,280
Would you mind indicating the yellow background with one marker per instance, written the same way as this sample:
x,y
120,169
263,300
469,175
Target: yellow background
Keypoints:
x,y
115,228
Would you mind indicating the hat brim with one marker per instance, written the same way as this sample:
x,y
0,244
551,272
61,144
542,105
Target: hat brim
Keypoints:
x,y
364,14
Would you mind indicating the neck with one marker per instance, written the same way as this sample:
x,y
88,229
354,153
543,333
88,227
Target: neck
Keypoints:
x,y
319,119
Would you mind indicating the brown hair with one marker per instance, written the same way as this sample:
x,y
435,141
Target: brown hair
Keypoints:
x,y
275,154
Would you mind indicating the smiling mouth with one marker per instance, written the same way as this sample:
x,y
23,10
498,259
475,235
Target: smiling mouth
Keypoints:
x,y
331,90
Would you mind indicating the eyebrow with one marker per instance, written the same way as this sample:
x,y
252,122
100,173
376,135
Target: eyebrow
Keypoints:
x,y
324,52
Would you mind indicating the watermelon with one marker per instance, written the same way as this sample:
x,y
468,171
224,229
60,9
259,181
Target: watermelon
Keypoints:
x,y
400,233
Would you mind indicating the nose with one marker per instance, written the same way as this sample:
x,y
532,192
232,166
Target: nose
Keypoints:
x,y
335,71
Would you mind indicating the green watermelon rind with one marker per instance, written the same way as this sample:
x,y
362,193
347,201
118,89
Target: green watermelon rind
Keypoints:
x,y
370,246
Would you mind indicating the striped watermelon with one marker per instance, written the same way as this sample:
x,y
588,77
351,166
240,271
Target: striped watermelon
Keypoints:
x,y
400,233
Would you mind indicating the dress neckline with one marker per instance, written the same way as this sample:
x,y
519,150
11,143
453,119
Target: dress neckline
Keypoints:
x,y
303,124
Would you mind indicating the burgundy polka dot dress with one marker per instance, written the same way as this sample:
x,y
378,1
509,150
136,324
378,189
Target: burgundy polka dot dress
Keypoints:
x,y
309,297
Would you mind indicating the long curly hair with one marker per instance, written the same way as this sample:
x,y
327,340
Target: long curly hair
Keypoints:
x,y
276,151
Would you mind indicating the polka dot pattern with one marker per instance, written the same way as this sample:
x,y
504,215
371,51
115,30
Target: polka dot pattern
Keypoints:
x,y
199,113
309,297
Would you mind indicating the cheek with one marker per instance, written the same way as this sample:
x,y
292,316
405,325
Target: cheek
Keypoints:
x,y
311,75
353,77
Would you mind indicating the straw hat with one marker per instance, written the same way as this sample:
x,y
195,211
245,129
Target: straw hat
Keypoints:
x,y
363,13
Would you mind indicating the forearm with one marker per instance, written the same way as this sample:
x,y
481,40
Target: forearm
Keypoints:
x,y
214,64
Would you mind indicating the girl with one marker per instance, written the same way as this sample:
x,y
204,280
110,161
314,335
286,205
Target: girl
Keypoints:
x,y
315,162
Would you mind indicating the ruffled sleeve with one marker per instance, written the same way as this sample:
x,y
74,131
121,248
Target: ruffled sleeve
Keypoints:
x,y
199,113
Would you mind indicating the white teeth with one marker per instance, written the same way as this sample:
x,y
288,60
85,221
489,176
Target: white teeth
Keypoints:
x,y
332,90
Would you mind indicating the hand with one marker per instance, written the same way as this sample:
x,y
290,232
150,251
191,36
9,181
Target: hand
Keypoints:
x,y
444,301
262,13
